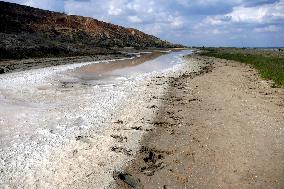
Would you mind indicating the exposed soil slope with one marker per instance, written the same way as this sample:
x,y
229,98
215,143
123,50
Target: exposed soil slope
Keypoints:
x,y
31,32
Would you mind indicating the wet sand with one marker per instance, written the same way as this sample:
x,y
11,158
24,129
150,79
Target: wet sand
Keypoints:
x,y
110,67
9,66
221,127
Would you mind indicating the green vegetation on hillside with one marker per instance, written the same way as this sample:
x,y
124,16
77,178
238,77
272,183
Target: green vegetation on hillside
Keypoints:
x,y
269,63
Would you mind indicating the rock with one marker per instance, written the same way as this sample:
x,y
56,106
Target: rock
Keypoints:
x,y
119,138
2,71
128,179
137,128
119,122
121,150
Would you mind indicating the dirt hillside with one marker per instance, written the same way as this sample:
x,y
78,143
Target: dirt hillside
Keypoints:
x,y
31,32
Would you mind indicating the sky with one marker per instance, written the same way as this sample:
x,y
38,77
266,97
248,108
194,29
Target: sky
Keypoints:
x,y
239,23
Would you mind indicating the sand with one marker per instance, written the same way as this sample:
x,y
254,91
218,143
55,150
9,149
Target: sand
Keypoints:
x,y
199,123
221,129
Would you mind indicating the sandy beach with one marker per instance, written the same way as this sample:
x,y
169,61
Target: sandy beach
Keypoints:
x,y
133,94
160,120
221,127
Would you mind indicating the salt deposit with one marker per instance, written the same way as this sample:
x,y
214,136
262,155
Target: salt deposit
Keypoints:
x,y
56,129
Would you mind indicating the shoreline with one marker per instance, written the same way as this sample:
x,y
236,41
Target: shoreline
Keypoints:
x,y
12,66
169,129
74,120
199,140
19,65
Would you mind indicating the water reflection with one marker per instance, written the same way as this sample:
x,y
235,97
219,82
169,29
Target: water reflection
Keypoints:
x,y
146,63
158,64
109,71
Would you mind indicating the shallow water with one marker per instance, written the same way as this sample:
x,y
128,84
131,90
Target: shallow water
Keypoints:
x,y
110,71
159,64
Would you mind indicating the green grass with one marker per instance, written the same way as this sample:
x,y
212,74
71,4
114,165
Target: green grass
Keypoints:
x,y
269,65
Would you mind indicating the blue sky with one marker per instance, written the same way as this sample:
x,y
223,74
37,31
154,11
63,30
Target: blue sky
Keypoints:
x,y
190,22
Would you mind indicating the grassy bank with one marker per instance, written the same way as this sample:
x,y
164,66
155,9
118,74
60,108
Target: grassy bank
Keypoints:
x,y
270,64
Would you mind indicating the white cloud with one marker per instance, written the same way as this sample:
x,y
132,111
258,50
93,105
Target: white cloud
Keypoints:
x,y
249,14
191,3
45,4
152,16
135,19
177,22
266,13
113,7
202,20
153,29
215,20
260,19
270,28
216,31
113,11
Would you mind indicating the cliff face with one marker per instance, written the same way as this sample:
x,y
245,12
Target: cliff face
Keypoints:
x,y
31,32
